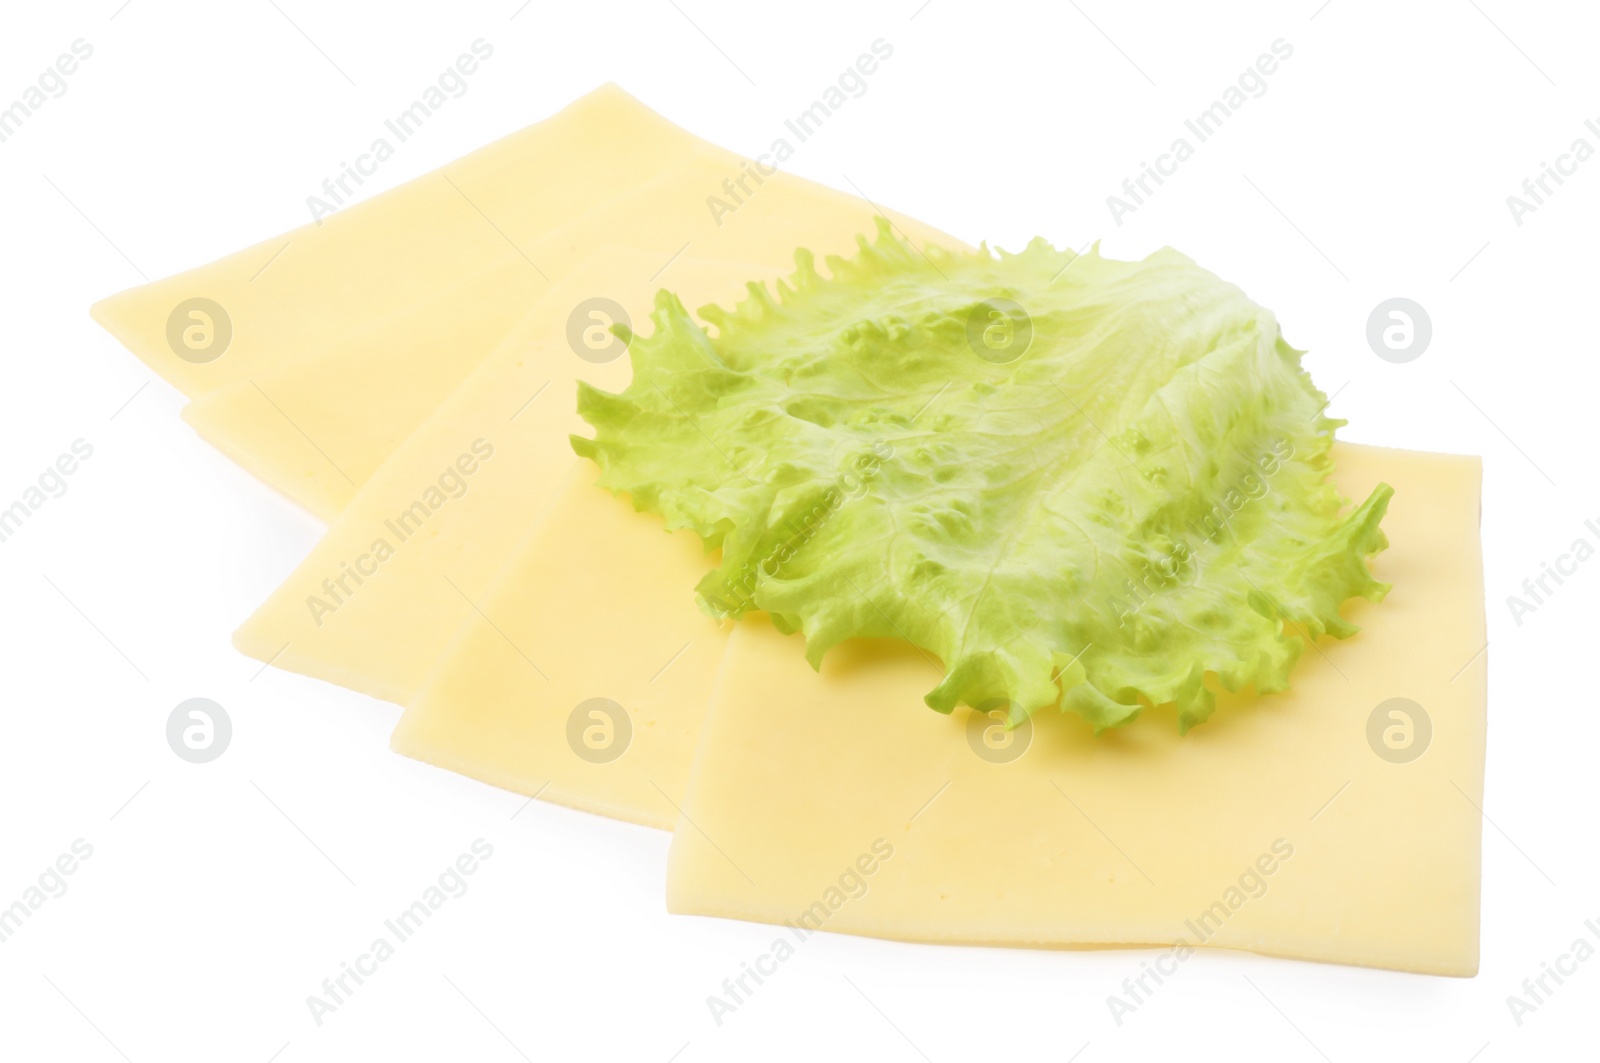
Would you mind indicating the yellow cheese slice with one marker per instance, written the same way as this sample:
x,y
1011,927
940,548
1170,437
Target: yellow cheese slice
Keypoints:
x,y
316,427
373,606
377,601
301,290
595,703
1329,823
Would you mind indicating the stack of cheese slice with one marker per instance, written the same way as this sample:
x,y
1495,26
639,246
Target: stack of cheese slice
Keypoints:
x,y
406,371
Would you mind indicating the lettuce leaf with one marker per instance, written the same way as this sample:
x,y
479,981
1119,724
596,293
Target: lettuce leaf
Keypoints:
x,y
1067,478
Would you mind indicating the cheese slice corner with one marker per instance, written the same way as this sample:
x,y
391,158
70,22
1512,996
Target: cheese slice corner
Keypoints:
x,y
304,289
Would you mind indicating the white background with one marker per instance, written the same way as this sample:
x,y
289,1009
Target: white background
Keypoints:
x,y
218,897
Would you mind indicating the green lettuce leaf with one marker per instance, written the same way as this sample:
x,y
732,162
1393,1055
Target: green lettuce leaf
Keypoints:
x,y
1067,478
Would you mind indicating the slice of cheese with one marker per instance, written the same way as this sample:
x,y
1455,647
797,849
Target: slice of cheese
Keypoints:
x,y
1296,825
376,603
585,675
317,427
373,606
304,289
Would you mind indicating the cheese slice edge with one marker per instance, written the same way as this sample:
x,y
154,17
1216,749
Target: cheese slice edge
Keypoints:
x,y
316,427
370,607
304,288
